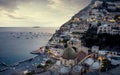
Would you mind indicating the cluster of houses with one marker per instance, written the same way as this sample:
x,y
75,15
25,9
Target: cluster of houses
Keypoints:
x,y
71,57
109,29
108,23
110,5
66,46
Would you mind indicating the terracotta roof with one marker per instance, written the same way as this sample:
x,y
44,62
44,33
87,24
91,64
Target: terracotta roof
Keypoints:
x,y
81,55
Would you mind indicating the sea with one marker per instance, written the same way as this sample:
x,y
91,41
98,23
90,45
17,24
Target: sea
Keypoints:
x,y
17,43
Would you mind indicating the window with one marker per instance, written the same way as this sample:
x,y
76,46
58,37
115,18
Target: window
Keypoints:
x,y
100,31
104,30
108,30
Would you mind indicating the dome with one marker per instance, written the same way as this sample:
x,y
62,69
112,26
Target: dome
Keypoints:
x,y
69,53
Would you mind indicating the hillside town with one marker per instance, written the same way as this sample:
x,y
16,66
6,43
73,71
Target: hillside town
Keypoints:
x,y
74,50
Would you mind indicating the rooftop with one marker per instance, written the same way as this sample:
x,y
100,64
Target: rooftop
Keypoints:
x,y
69,53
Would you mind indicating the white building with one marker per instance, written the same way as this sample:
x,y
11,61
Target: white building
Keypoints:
x,y
95,49
82,28
115,60
110,29
64,70
104,29
93,65
76,70
115,31
112,8
98,4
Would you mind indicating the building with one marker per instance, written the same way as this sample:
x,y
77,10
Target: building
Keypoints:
x,y
104,29
98,4
75,42
95,49
76,70
109,29
69,57
80,29
80,56
64,70
115,60
68,60
75,20
93,65
115,30
111,8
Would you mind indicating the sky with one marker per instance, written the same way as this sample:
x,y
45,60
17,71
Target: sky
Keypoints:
x,y
43,13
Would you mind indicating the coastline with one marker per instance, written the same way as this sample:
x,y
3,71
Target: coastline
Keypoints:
x,y
56,47
26,60
82,10
19,55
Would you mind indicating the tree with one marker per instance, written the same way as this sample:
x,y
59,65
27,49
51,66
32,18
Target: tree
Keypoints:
x,y
31,73
104,5
106,65
49,62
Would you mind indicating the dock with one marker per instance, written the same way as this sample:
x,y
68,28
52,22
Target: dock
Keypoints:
x,y
39,51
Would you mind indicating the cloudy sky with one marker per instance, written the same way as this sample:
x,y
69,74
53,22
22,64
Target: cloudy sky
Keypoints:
x,y
47,13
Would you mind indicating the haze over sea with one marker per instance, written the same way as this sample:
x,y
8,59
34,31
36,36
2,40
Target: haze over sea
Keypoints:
x,y
17,43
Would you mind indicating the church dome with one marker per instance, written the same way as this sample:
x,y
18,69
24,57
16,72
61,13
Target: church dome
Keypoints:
x,y
69,53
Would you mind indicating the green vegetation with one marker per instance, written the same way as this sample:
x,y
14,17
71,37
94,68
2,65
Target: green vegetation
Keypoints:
x,y
40,66
49,62
76,33
31,73
90,38
103,40
106,65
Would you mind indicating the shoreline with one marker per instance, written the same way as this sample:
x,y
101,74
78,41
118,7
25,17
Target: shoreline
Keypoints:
x,y
23,61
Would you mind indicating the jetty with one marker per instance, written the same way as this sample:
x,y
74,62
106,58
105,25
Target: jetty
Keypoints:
x,y
39,51
4,64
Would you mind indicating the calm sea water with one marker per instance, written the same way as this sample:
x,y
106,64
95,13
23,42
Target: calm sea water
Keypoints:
x,y
17,43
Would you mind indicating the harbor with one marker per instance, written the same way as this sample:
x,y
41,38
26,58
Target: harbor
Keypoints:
x,y
81,46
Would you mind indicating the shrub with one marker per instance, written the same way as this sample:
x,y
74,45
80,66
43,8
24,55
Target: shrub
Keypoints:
x,y
40,66
49,62
31,73
106,65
